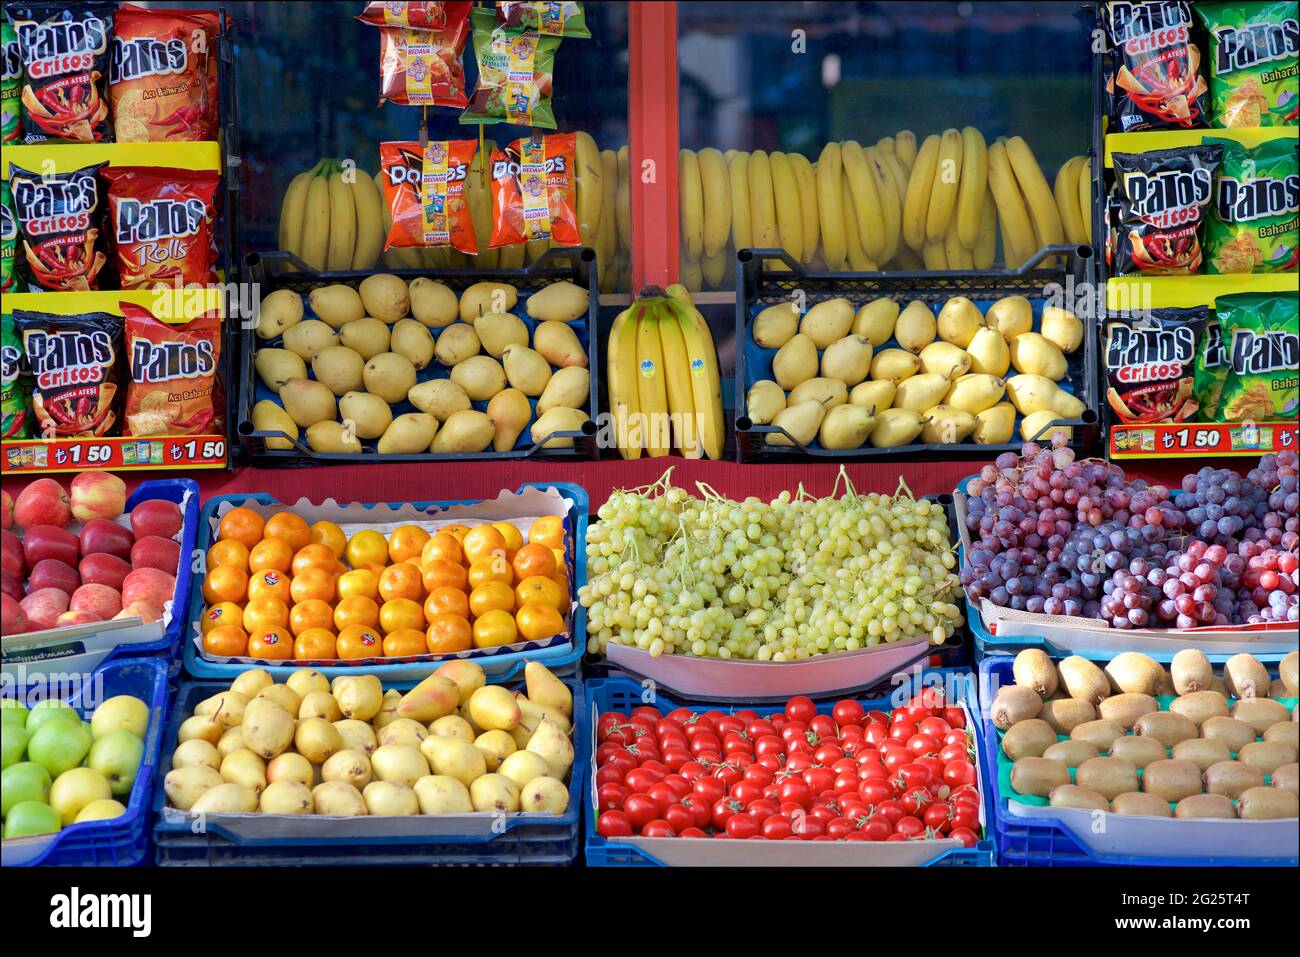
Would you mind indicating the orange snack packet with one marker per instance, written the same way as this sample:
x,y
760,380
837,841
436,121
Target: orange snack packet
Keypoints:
x,y
159,75
173,388
160,221
425,193
534,191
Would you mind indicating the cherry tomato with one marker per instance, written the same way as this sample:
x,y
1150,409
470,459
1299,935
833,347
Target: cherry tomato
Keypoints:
x,y
692,832
657,828
699,724
900,731
728,774
931,762
728,724
877,828
610,797
957,736
923,744
768,744
778,828
964,814
828,754
674,742
875,791
809,828
966,792
792,730
792,810
965,835
773,762
679,818
796,789
759,727
846,783
800,708
734,741
895,759
663,795
875,733
644,750
799,762
937,816
705,741
910,826
847,712
959,772
823,725
701,811
709,789
640,780
613,824
913,776
819,779
952,752
935,727
667,726
680,715
724,810
746,714
745,791
610,774
640,809
915,800
891,811
760,774
657,768
762,809
955,717
676,758
840,828
873,771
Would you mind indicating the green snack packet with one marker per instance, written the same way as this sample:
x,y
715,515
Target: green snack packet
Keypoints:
x,y
1261,341
1253,63
15,388
11,124
559,19
1210,372
8,240
1254,222
515,72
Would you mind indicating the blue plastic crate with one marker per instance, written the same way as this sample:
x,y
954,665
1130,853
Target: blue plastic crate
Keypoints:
x,y
120,841
552,841
1040,842
561,658
619,693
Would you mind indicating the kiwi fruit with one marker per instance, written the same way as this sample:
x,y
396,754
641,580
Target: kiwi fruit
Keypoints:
x,y
1107,776
1235,734
1287,777
1206,805
1287,672
1267,804
1166,727
1202,752
1132,672
1232,778
1127,707
1037,776
1245,677
1268,756
1286,732
1066,714
1197,706
1138,804
1013,705
1071,795
1260,713
1138,750
1033,669
1277,689
1191,671
1084,680
1100,733
1026,739
1172,779
1073,753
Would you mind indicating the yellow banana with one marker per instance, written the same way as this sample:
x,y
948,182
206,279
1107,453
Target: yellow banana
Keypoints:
x,y
692,274
905,148
715,267
943,191
789,215
986,243
510,257
690,191
478,193
621,373
706,380
623,206
891,211
885,144
908,259
1047,220
866,199
858,260
587,182
607,230
957,255
933,256
1085,196
806,179
1066,192
343,223
974,185
762,203
316,223
370,222
898,177
677,375
1017,232
830,209
717,200
652,391
742,232
919,181
291,211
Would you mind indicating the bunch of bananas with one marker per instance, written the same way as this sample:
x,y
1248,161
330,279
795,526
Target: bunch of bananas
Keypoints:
x,y
1073,192
665,389
332,217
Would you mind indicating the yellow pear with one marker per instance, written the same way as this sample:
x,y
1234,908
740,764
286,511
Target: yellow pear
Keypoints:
x,y
430,700
829,392
1062,327
946,359
546,689
989,353
558,344
921,392
876,321
569,388
526,370
959,319
975,392
509,412
494,708
874,395
776,325
1011,316
846,427
1035,393
947,426
496,330
554,747
847,359
764,400
1038,355
559,302
895,427
308,401
894,365
916,326
800,421
1038,422
827,321
795,362
995,425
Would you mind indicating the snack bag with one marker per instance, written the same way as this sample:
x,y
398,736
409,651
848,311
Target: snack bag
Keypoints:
x,y
158,76
11,120
423,67
1262,345
425,190
8,240
161,223
15,386
1210,373
1154,80
1150,365
533,191
173,388
58,219
1253,224
75,371
559,19
64,48
1163,197
1254,53
421,16
515,73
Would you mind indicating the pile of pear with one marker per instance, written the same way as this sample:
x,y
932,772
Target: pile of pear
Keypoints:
x,y
370,350
453,744
892,376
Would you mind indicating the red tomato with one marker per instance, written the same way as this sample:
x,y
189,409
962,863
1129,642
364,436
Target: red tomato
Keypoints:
x,y
680,715
875,791
915,800
876,733
640,809
674,742
658,828
923,744
698,724
957,736
877,829
665,727
704,742
847,712
959,772
663,795
613,824
692,832
640,780
679,818
799,762
955,717
937,816
759,727
710,789
773,762
768,744
840,828
736,742
910,827
872,771
777,828
724,810
747,714
759,774
823,725
828,754
729,724
891,811
819,779
912,776
681,787
846,783
964,814
610,774
676,758
933,763
610,797
800,708
657,768
792,730
761,809
796,789
809,828
952,752
965,835
745,791
934,727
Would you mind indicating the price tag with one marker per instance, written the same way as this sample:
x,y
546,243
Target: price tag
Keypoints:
x,y
116,454
1208,439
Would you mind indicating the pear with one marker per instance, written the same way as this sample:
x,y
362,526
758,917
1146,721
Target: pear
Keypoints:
x,y
269,417
431,699
995,425
846,427
468,676
1011,316
268,728
829,392
332,437
467,431
947,426
801,421
847,359
387,709
457,343
494,708
827,321
389,375
1035,393
959,320
531,714
526,370
246,768
496,330
764,400
546,689
916,326
439,397
775,326
1038,355
510,413
876,396
989,353
795,362
975,392
1038,422
275,367
308,401
558,344
895,427
225,799
894,365
554,747
921,392
359,696
569,388
311,336
1059,325
341,369
411,339
370,415
481,377
946,359
547,427
367,337
559,302
876,320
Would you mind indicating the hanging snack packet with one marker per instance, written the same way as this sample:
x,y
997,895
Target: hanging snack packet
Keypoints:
x,y
425,193
1254,224
74,366
11,120
1254,53
1163,197
558,19
423,67
421,16
15,385
1154,80
1211,371
58,225
64,49
515,74
158,76
8,240
1150,365
173,373
533,191
160,220
1262,345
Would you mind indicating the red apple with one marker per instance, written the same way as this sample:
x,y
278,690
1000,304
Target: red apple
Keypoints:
x,y
154,551
12,558
101,535
13,620
99,600
12,585
43,607
149,585
43,502
104,569
69,618
98,495
157,516
50,541
52,573
146,611
6,509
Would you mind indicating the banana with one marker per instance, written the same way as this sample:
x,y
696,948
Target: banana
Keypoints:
x,y
607,233
986,243
715,267
706,380
907,259
974,185
691,195
943,191
1047,220
717,201
898,176
830,209
681,401
621,371
692,274
511,257
742,232
905,148
789,215
919,181
1085,196
291,210
478,193
891,210
858,260
762,203
1017,233
933,256
370,222
885,144
343,223
1066,193
651,388
623,204
316,223
957,255
866,199
588,185
806,179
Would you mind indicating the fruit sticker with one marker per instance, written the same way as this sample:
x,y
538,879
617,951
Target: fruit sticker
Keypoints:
x,y
515,75
64,49
425,192
1262,347
420,67
533,191
14,383
1150,365
1254,54
158,76
58,218
161,223
11,125
559,18
1253,224
173,388
1163,198
1154,80
422,16
73,362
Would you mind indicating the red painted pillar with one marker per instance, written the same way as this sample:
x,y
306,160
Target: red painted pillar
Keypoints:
x,y
652,104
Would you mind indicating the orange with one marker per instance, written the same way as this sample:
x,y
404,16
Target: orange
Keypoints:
x,y
514,540
534,559
538,621
400,614
482,541
548,531
366,546
490,596
226,641
440,573
446,601
314,643
312,582
327,533
359,581
494,569
222,613
406,542
310,614
541,591
457,532
289,528
357,610
263,613
274,644
359,641
225,583
449,633
405,643
229,552
269,583
242,525
442,546
401,581
315,555
494,629
271,553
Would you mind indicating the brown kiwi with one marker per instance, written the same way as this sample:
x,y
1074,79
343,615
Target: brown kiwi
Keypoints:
x,y
1037,776
1172,779
1071,795
1013,705
1135,803
1267,804
1166,727
1287,670
1107,776
1033,669
1286,732
1232,778
1235,734
1202,752
1028,739
1138,750
1277,689
1287,777
1268,756
1206,805
1199,705
1072,753
1132,672
1260,713
1191,671
1066,714
1101,733
1127,707
1084,680
1245,677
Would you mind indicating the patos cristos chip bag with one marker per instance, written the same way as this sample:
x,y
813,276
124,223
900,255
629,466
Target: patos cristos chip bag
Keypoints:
x,y
158,75
425,192
64,49
1163,198
1150,365
58,217
75,370
160,221
534,192
173,389
1154,80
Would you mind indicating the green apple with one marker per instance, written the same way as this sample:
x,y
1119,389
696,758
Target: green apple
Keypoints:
x,y
50,711
25,781
31,817
122,713
11,710
104,809
59,746
13,742
73,790
117,756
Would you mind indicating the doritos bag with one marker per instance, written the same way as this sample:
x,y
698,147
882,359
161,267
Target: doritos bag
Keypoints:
x,y
173,387
426,194
533,191
1254,52
1154,80
64,49
1253,224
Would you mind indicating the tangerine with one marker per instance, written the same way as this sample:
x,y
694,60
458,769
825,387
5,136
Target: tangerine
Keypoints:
x,y
482,541
263,613
315,643
271,553
456,531
536,622
289,528
228,552
547,530
407,541
405,643
359,641
327,533
448,634
366,545
402,580
312,582
491,596
494,629
442,546
534,559
446,601
494,569
440,573
269,583
225,583
356,610
539,590
222,613
514,540
314,555
359,581
225,641
400,614
309,614
242,525
273,644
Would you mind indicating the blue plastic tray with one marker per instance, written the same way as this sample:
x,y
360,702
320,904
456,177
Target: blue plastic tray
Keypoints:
x,y
561,659
524,840
1041,842
618,693
121,841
